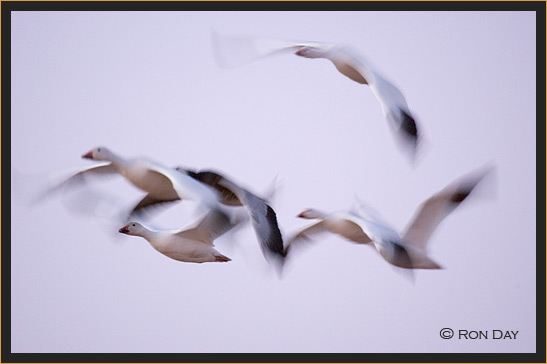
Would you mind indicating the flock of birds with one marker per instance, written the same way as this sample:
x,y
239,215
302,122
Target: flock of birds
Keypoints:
x,y
225,204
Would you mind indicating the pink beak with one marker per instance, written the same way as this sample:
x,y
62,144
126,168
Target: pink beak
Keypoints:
x,y
125,229
300,214
88,155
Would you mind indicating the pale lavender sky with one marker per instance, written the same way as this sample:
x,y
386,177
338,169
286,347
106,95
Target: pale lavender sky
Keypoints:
x,y
146,84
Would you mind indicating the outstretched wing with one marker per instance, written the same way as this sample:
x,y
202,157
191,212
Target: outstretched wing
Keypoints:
x,y
305,234
78,178
226,196
263,218
233,51
149,201
214,224
187,187
436,208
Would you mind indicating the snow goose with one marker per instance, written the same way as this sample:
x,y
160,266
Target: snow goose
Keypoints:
x,y
232,51
406,250
263,217
162,184
193,244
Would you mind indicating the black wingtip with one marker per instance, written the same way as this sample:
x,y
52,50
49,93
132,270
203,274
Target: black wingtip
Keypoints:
x,y
406,129
408,125
275,239
464,190
273,248
460,195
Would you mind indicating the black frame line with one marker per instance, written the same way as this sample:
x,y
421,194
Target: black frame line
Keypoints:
x,y
8,6
272,5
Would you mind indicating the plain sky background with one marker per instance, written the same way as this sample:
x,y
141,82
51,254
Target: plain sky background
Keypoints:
x,y
146,84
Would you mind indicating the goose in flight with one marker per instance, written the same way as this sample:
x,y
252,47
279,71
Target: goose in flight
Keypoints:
x,y
406,250
161,183
263,217
233,51
192,244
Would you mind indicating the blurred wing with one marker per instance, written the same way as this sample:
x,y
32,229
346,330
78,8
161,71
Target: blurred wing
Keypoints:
x,y
78,178
149,201
367,212
433,211
263,218
187,187
376,231
392,101
396,111
270,191
233,51
305,234
214,224
226,196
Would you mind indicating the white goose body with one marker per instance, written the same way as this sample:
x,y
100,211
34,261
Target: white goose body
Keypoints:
x,y
343,224
161,183
191,244
362,231
406,250
166,184
183,249
140,174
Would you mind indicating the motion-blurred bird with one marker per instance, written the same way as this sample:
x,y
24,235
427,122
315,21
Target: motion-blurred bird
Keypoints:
x,y
407,250
233,51
162,184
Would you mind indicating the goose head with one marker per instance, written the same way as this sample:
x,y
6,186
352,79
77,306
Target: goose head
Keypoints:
x,y
99,154
134,228
311,214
